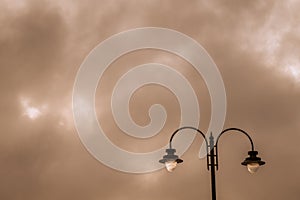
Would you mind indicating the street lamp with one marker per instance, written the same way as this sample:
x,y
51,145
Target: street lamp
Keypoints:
x,y
171,159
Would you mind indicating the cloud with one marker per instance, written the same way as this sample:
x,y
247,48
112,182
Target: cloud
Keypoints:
x,y
255,44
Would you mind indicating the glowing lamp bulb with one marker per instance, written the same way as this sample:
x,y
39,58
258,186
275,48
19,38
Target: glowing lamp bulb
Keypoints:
x,y
252,167
171,165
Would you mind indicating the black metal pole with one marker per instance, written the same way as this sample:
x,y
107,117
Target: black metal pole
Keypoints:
x,y
212,156
212,167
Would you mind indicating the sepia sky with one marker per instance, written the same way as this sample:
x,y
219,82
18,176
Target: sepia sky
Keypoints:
x,y
255,44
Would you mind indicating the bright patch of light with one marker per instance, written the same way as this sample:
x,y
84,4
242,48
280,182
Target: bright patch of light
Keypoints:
x,y
294,71
32,112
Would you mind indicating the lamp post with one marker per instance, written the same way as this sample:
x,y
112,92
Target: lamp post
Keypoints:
x,y
171,159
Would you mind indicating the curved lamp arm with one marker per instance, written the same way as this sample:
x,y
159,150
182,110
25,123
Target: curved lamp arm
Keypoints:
x,y
252,162
187,127
235,129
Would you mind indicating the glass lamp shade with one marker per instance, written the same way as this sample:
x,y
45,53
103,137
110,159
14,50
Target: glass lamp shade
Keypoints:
x,y
170,160
253,162
252,167
171,165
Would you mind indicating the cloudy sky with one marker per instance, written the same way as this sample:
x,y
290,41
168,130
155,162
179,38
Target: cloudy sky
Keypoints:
x,y
255,44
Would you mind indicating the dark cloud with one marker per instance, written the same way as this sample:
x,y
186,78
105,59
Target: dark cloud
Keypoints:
x,y
42,44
